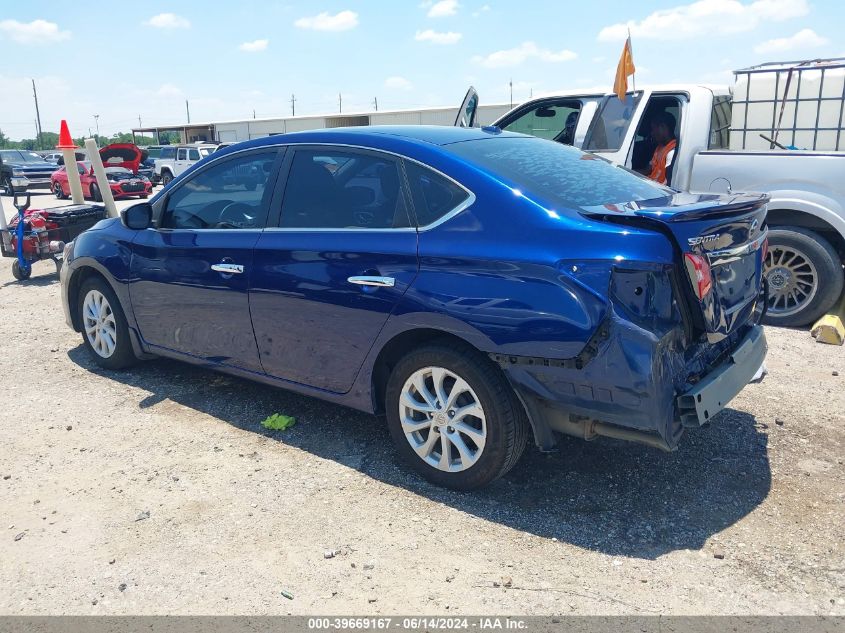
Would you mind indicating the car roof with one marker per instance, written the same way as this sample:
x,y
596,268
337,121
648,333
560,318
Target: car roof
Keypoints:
x,y
378,136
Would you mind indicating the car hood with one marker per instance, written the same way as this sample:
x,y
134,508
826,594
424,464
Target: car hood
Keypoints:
x,y
125,155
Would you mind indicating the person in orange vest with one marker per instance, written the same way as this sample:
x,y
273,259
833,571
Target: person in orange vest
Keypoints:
x,y
663,134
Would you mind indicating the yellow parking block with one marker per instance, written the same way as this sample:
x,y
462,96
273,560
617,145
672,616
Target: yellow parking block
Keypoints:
x,y
830,329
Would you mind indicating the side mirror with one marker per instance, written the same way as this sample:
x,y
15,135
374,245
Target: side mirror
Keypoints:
x,y
137,217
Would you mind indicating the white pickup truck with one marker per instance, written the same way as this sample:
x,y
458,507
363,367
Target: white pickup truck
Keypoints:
x,y
807,188
175,159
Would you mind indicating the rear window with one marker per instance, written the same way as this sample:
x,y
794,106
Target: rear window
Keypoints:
x,y
434,195
561,175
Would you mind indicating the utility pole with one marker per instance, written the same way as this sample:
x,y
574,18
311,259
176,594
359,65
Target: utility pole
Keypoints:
x,y
510,83
139,121
253,113
188,110
37,114
293,105
375,103
97,123
339,102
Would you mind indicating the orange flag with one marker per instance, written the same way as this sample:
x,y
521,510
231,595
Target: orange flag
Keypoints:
x,y
624,70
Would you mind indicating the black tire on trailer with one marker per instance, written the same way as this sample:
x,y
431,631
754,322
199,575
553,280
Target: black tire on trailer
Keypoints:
x,y
804,274
482,424
19,273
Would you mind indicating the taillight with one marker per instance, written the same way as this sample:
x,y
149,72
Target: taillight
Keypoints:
x,y
765,249
698,269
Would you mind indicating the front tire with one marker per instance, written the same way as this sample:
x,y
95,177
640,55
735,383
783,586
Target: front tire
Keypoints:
x,y
166,177
8,189
453,416
804,274
104,330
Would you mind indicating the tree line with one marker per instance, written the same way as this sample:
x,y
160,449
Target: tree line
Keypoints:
x,y
49,140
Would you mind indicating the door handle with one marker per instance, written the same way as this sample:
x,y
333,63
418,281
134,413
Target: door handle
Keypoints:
x,y
381,282
229,269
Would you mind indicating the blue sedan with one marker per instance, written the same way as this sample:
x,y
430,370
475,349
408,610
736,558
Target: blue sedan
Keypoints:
x,y
475,287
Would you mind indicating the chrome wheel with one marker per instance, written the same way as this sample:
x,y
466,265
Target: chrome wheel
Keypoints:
x,y
442,419
57,191
100,326
792,278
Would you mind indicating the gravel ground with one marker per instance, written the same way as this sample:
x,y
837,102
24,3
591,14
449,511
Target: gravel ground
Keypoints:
x,y
156,491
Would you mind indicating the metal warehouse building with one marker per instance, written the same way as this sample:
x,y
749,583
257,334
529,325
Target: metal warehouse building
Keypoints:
x,y
245,129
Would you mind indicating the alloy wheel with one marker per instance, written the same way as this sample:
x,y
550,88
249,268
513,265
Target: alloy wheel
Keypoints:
x,y
442,419
793,280
99,323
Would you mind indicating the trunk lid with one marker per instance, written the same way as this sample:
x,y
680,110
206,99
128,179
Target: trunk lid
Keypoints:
x,y
125,155
728,232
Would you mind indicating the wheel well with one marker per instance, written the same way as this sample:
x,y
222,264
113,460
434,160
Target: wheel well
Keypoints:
x,y
784,218
398,347
75,283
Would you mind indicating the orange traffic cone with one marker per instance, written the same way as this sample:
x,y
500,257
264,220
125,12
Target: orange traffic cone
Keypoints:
x,y
65,141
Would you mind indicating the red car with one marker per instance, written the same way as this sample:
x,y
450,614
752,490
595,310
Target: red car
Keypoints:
x,y
122,181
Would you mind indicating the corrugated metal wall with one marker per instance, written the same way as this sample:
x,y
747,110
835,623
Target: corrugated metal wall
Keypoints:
x,y
251,128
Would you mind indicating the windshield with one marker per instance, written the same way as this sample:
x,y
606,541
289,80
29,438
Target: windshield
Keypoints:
x,y
16,156
559,174
206,151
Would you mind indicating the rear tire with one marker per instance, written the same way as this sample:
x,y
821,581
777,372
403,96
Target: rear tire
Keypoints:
x,y
95,193
804,274
105,332
484,442
59,191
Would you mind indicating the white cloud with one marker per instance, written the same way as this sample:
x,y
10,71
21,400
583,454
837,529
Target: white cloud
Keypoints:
x,y
168,21
255,46
525,51
706,17
805,38
483,9
443,8
35,32
342,21
436,37
398,83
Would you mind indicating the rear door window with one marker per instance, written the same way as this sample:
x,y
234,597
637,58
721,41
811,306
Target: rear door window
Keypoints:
x,y
344,189
194,154
434,195
607,132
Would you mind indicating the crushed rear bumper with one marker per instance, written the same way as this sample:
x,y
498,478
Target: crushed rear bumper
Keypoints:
x,y
713,392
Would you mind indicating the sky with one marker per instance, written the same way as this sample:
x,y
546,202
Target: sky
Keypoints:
x,y
125,60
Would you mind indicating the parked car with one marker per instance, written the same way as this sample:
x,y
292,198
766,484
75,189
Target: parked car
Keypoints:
x,y
474,286
21,170
122,182
176,159
52,157
807,208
